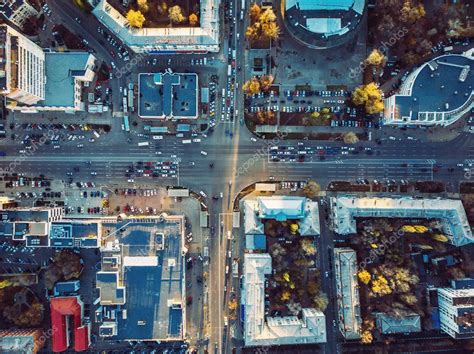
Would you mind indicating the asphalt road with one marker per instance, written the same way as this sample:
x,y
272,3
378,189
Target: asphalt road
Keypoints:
x,y
236,159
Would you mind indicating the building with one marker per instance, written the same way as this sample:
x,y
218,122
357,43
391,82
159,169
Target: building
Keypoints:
x,y
25,341
301,210
450,212
168,95
22,67
66,287
144,261
165,40
67,319
323,24
439,92
348,304
409,323
456,309
34,80
17,11
269,331
45,227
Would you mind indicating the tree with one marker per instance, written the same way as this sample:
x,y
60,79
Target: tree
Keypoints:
x,y
308,247
380,286
409,299
350,138
175,14
267,16
270,30
366,337
255,11
5,284
143,5
364,276
193,19
233,304
285,296
251,33
375,58
135,18
251,87
294,228
321,301
163,7
311,189
440,238
266,82
370,96
410,14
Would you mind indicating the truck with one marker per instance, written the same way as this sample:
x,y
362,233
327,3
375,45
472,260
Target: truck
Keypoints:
x,y
234,54
229,70
243,5
448,49
187,141
144,143
96,134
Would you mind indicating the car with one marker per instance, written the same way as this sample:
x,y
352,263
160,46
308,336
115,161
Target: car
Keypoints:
x,y
93,173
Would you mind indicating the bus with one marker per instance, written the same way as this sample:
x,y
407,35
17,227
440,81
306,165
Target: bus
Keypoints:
x,y
229,70
130,100
126,123
125,106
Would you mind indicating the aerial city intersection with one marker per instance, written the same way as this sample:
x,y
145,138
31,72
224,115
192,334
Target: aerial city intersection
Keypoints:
x,y
206,176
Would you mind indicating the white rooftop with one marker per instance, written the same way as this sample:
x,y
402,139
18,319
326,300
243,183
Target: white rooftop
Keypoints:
x,y
345,260
259,330
178,39
450,211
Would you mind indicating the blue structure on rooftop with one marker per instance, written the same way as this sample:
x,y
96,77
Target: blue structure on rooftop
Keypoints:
x,y
437,93
168,95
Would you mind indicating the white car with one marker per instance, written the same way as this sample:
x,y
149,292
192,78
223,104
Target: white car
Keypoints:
x,y
253,139
204,153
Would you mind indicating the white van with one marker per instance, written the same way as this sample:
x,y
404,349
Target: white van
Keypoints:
x,y
187,141
203,194
157,137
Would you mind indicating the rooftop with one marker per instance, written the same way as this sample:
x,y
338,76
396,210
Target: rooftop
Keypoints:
x,y
346,209
437,89
152,277
316,21
389,324
61,70
168,95
165,40
261,330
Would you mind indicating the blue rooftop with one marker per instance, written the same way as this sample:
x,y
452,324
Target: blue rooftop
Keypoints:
x,y
61,68
168,95
443,84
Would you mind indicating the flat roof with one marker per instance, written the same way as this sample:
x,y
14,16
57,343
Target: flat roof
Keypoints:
x,y
153,277
441,85
60,69
168,95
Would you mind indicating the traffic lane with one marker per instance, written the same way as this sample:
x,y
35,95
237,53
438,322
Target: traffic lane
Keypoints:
x,y
68,12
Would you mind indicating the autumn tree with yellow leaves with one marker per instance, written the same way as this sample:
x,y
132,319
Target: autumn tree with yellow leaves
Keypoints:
x,y
364,276
262,24
380,286
252,86
369,96
375,58
143,6
135,18
193,19
175,14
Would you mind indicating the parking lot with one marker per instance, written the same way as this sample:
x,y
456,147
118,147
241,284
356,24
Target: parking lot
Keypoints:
x,y
15,258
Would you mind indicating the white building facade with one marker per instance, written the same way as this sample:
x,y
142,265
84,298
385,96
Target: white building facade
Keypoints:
x,y
22,67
